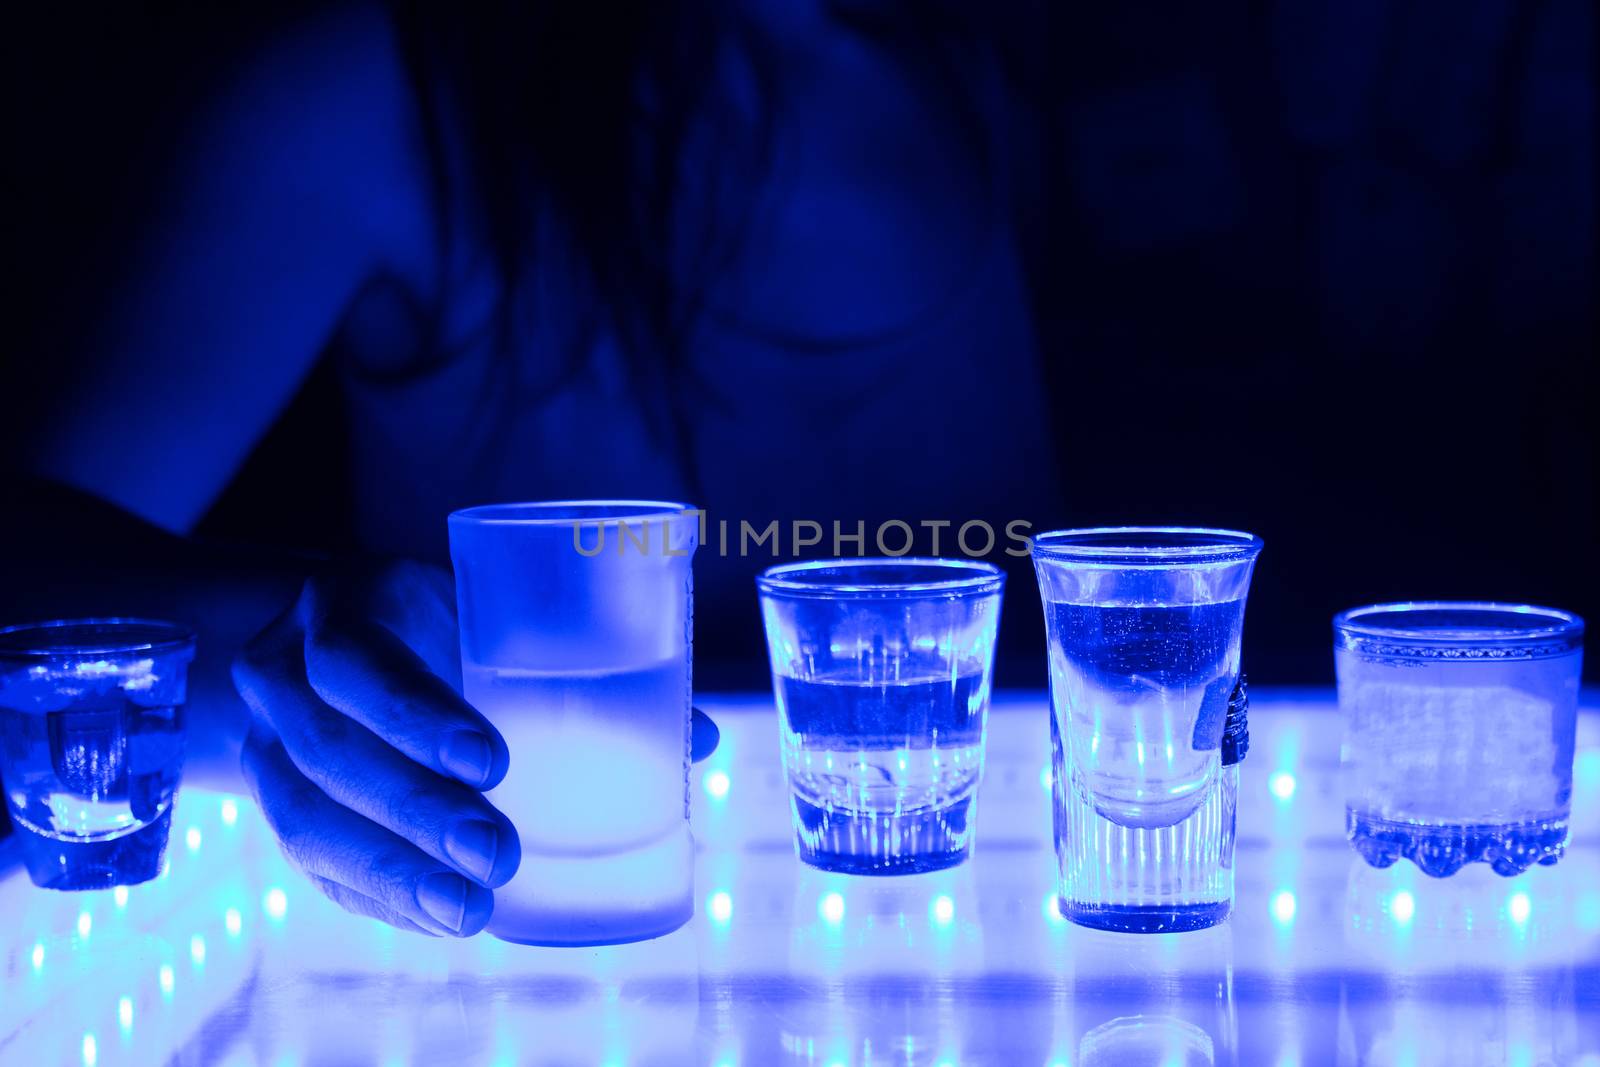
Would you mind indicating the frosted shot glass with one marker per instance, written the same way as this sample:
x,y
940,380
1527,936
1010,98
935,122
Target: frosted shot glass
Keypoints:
x,y
1460,723
91,745
576,639
1144,625
882,670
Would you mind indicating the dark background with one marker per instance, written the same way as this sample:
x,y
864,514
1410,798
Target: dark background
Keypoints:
x,y
1324,272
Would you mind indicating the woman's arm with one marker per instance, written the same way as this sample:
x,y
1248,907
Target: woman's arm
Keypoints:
x,y
293,186
301,183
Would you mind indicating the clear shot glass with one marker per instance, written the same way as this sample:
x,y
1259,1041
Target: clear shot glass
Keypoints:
x,y
576,639
882,670
1459,726
91,745
1144,626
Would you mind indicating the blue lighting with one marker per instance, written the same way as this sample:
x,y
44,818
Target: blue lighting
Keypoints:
x,y
1402,906
1283,906
85,923
942,910
125,1014
720,907
1589,911
233,921
90,1051
167,980
230,812
1518,907
1282,785
717,783
831,908
197,950
275,902
120,895
1587,769
191,838
1052,910
38,956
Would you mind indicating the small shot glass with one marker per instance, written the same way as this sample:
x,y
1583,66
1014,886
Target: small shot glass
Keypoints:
x,y
882,670
91,745
1460,721
1144,627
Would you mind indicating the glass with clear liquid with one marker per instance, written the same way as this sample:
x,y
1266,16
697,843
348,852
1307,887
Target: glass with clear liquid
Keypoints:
x,y
576,638
1144,626
882,670
1460,722
92,744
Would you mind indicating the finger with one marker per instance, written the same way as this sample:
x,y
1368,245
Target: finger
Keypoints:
x,y
369,674
703,735
363,905
354,767
331,842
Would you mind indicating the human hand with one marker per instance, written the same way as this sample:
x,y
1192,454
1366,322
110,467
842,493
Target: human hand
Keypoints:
x,y
366,761
368,764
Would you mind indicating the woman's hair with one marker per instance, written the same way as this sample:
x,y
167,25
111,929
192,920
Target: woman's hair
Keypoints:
x,y
623,146
573,121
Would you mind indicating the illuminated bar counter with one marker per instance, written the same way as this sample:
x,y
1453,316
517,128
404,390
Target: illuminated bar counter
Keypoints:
x,y
232,958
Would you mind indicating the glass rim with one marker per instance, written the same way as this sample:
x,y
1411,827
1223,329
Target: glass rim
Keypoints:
x,y
971,578
143,635
570,512
1353,623
1145,545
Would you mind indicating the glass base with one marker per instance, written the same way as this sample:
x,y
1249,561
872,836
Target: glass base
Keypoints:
x,y
598,899
67,864
1440,850
1145,919
617,930
883,844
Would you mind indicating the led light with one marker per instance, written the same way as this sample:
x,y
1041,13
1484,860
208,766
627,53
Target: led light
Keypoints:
x,y
1052,909
1282,785
1047,776
232,920
717,784
120,895
720,907
165,977
192,838
125,1013
831,908
197,950
1283,905
1518,907
230,812
90,1052
943,910
1589,913
276,903
1402,907
38,955
85,923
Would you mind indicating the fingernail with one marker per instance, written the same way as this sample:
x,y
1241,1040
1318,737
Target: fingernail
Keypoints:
x,y
467,755
444,896
473,846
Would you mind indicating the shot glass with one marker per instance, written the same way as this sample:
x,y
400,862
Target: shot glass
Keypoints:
x,y
1459,726
1144,626
882,670
576,638
91,745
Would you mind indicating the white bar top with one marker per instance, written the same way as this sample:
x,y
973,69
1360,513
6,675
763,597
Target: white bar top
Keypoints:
x,y
233,958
